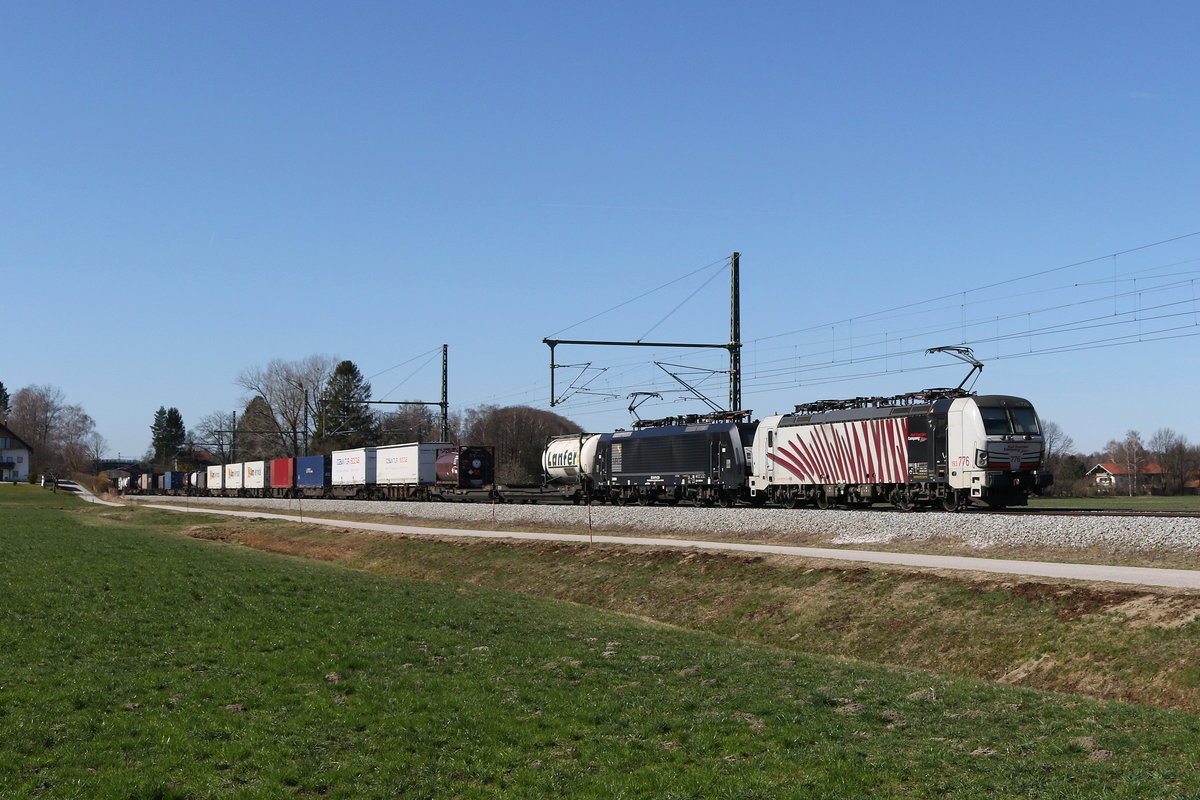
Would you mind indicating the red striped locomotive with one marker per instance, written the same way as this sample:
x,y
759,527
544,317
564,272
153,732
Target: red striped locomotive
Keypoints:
x,y
941,447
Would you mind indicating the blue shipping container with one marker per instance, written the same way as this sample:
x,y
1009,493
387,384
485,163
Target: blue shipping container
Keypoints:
x,y
312,472
174,480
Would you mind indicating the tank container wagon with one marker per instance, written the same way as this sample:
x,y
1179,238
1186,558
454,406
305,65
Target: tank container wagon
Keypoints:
x,y
567,463
939,447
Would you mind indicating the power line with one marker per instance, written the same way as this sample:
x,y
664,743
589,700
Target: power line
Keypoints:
x,y
963,293
641,296
402,363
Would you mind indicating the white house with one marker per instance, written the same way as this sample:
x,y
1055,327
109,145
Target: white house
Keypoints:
x,y
14,456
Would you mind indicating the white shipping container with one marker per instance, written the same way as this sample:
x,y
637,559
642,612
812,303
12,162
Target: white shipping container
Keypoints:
x,y
352,467
255,475
233,476
216,477
410,464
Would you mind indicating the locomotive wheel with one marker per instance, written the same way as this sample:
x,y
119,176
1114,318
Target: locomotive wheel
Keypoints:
x,y
950,502
795,501
726,501
904,502
645,500
822,501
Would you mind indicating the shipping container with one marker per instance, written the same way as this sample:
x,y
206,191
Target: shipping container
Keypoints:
x,y
466,467
198,479
568,458
414,463
352,467
254,475
174,480
146,482
215,479
233,476
283,473
312,472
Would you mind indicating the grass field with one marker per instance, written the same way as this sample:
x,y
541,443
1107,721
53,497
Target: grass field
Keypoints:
x,y
140,662
1189,502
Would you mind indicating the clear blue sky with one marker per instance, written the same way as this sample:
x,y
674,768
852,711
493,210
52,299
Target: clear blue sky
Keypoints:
x,y
189,190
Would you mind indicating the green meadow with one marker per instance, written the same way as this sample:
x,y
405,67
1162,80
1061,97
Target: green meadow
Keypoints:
x,y
137,661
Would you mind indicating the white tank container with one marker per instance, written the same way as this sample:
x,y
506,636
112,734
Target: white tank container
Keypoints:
x,y
568,457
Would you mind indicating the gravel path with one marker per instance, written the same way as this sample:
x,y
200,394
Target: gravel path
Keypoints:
x,y
978,531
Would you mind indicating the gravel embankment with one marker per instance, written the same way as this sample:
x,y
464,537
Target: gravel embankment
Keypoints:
x,y
1128,534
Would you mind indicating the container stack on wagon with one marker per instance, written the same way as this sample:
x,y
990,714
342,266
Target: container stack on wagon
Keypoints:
x,y
413,471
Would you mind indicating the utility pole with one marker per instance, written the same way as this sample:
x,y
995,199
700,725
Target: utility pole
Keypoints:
x,y
445,393
735,335
307,436
734,346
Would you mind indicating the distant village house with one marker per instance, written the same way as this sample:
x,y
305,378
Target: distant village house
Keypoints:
x,y
1110,478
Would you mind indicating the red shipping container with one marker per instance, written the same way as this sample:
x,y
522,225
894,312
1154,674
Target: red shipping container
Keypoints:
x,y
283,473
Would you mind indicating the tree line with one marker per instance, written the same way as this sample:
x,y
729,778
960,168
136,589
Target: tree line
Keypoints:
x,y
62,435
316,405
1166,463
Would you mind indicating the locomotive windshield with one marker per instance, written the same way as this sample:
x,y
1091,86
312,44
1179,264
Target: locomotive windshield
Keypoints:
x,y
999,421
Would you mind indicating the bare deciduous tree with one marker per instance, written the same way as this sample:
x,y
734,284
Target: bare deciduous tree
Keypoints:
x,y
60,434
519,434
290,389
74,439
411,423
35,414
1177,458
1130,453
1057,441
214,433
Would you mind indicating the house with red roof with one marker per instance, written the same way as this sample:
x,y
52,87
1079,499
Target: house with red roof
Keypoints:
x,y
1112,478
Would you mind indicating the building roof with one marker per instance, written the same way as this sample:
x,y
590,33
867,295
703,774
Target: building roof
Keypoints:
x,y
1122,469
7,431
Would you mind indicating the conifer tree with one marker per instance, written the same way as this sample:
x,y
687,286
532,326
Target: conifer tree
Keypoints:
x,y
258,435
167,434
345,420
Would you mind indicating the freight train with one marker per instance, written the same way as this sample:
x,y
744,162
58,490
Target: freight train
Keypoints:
x,y
940,448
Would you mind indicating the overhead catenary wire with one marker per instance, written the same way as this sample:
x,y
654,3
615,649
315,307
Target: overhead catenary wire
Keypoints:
x,y
431,356
1158,302
959,293
434,351
719,262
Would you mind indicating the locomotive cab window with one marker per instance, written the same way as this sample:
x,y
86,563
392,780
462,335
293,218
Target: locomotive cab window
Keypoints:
x,y
1004,421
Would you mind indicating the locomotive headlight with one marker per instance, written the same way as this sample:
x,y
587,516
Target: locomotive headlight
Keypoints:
x,y
981,458
476,463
